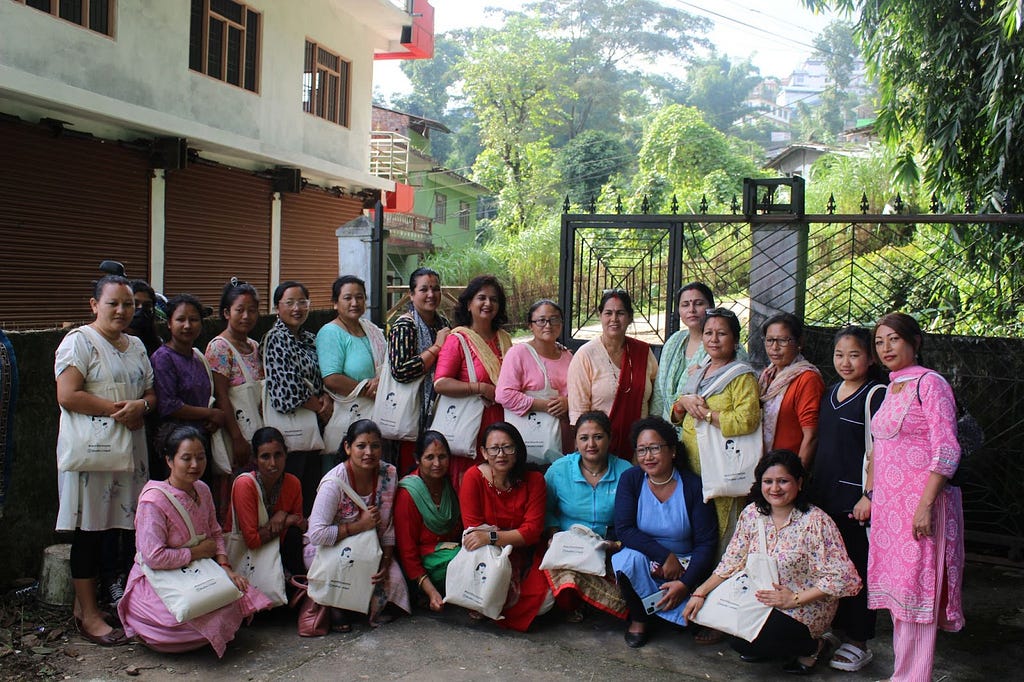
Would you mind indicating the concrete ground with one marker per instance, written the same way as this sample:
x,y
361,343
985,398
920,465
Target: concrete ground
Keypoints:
x,y
452,648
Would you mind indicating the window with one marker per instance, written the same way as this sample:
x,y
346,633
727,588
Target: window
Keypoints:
x,y
464,215
96,15
440,208
325,84
224,42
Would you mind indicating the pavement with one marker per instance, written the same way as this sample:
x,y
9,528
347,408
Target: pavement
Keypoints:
x,y
452,648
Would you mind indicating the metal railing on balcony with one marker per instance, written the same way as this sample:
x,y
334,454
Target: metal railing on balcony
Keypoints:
x,y
408,222
389,155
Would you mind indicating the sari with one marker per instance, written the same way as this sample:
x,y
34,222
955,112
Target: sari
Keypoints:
x,y
628,404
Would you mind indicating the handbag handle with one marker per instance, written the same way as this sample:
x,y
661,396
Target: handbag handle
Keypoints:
x,y
868,441
543,367
193,538
762,537
261,515
469,358
94,339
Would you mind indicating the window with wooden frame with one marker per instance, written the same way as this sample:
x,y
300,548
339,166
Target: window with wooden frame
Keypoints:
x,y
464,215
325,84
224,42
95,15
440,208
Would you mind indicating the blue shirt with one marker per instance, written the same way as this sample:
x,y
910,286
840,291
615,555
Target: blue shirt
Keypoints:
x,y
341,353
571,499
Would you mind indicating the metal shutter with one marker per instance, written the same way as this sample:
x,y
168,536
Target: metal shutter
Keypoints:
x,y
309,249
218,227
66,203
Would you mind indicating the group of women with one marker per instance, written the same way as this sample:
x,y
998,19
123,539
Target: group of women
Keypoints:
x,y
634,477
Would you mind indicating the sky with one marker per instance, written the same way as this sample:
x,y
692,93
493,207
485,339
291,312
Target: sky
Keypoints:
x,y
777,35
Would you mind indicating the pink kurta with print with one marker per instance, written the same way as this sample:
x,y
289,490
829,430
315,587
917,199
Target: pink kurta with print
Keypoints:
x,y
918,581
160,534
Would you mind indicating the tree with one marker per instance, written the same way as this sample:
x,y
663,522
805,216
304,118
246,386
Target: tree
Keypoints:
x,y
950,93
838,49
588,160
719,87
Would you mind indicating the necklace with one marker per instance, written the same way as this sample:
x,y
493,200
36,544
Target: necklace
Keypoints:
x,y
671,477
500,491
193,493
589,471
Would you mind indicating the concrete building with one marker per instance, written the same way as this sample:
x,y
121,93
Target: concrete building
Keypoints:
x,y
193,140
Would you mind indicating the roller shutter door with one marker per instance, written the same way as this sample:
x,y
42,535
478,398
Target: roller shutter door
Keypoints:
x,y
218,227
309,248
66,203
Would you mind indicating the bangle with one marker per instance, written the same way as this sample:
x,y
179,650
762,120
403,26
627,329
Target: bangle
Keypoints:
x,y
698,596
708,416
796,598
224,564
419,583
869,494
146,406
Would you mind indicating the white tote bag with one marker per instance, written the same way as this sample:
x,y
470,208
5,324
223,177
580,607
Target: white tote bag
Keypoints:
x,y
347,410
194,590
459,418
261,566
88,442
397,407
300,429
341,574
541,432
246,399
479,579
727,463
732,607
221,447
578,549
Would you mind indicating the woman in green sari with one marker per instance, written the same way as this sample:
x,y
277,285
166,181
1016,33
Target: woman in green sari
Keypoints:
x,y
428,525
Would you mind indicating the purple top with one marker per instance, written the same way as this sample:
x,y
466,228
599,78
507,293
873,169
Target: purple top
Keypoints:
x,y
180,381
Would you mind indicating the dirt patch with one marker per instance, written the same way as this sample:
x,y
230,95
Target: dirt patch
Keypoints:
x,y
36,641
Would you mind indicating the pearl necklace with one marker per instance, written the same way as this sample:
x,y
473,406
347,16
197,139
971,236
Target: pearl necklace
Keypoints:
x,y
668,480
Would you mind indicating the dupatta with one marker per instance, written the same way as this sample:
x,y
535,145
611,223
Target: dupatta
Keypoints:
x,y
629,396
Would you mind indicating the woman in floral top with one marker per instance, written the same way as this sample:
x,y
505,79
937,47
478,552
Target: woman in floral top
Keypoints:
x,y
814,570
293,381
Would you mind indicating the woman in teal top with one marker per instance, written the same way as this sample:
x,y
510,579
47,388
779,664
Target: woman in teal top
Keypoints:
x,y
581,490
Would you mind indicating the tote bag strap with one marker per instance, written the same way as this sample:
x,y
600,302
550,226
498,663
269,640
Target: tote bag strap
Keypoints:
x,y
352,494
723,380
261,516
206,365
95,340
762,539
244,368
469,357
867,417
543,367
193,538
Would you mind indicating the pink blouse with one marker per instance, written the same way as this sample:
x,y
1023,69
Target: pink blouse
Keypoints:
x,y
520,373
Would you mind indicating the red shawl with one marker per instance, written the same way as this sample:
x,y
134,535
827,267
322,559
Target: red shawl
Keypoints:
x,y
629,396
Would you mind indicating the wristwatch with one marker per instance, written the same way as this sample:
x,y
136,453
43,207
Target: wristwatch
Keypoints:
x,y
494,537
869,494
147,407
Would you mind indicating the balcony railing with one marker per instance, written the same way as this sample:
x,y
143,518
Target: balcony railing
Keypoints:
x,y
389,155
409,227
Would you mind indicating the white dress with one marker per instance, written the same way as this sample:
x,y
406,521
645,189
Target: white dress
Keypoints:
x,y
103,500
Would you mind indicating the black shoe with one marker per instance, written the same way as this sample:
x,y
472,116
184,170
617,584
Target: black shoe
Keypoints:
x,y
635,640
795,667
754,658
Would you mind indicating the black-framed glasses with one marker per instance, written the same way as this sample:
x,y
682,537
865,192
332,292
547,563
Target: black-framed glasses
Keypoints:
x,y
650,450
495,450
781,343
546,321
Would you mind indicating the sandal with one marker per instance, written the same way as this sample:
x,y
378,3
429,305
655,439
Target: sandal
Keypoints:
x,y
339,621
850,658
708,636
476,615
575,616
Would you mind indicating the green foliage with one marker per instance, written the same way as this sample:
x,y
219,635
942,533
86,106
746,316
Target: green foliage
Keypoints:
x,y
588,161
461,265
718,88
850,177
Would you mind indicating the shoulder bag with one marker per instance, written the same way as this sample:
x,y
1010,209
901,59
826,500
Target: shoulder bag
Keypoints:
x,y
347,409
341,574
88,442
541,432
459,418
193,590
732,607
578,549
261,566
398,406
300,429
727,463
221,447
246,398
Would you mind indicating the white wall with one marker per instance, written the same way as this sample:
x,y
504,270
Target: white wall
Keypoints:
x,y
139,80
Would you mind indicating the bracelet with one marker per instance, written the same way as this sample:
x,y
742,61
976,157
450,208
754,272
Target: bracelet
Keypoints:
x,y
869,494
708,417
419,583
796,597
698,596
224,564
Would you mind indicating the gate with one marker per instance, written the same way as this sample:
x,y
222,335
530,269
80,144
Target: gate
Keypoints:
x,y
960,274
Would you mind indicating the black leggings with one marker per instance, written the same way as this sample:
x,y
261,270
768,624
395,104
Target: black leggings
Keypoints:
x,y
87,552
635,605
781,637
307,466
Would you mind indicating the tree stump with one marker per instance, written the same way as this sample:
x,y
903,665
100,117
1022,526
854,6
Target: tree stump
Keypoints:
x,y
55,586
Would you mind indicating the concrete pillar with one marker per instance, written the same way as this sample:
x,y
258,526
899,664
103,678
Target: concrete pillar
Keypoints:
x,y
275,249
356,254
157,228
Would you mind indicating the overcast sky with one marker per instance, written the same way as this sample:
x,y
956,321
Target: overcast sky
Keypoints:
x,y
776,34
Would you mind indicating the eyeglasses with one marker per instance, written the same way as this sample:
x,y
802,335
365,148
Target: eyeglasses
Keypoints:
x,y
507,449
546,321
301,303
650,450
781,343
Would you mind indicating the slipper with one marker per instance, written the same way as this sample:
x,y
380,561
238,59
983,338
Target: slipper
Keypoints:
x,y
115,637
339,621
708,636
575,616
850,658
476,615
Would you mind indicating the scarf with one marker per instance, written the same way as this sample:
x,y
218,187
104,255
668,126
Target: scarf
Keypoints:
x,y
629,395
700,381
425,338
773,384
484,353
440,518
674,371
378,344
269,496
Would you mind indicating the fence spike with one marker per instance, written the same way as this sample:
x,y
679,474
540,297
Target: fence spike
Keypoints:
x,y
898,204
864,205
592,206
645,205
934,206
618,204
969,203
703,203
734,206
830,206
566,206
675,204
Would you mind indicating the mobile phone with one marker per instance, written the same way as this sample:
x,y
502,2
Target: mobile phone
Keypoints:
x,y
650,602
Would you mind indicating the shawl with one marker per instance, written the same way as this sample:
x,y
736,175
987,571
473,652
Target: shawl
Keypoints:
x,y
490,361
773,384
700,381
673,372
439,519
378,344
425,338
627,408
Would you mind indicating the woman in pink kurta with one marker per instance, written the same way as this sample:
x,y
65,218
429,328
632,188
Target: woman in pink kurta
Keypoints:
x,y
916,556
160,537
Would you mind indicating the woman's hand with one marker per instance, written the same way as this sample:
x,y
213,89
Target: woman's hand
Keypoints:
x,y
672,569
241,450
862,511
442,334
276,524
675,592
780,597
370,388
368,520
486,392
692,607
326,408
381,576
129,413
693,405
240,582
476,539
206,549
558,406
922,524
436,601
214,419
